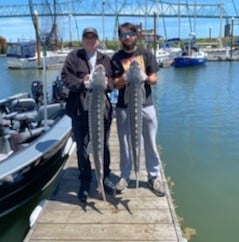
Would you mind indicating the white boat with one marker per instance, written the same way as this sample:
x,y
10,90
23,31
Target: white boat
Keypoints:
x,y
162,56
23,55
106,51
165,56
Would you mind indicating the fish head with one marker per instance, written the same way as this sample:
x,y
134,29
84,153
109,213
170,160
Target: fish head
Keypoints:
x,y
135,73
98,76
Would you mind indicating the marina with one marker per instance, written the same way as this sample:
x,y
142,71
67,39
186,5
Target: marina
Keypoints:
x,y
197,109
197,138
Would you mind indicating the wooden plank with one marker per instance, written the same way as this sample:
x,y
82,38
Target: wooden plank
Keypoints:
x,y
137,215
100,216
105,232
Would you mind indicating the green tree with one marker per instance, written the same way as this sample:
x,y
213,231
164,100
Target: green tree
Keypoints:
x,y
3,45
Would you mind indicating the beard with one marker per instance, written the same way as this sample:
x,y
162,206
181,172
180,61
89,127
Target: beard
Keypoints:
x,y
129,47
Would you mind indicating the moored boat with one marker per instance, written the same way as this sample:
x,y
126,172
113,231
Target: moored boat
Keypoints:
x,y
105,50
191,55
194,59
33,147
23,55
162,57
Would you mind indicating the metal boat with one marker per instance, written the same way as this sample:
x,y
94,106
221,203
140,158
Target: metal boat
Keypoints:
x,y
35,141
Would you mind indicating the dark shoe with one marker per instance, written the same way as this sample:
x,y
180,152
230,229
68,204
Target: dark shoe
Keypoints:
x,y
156,186
109,186
82,195
84,191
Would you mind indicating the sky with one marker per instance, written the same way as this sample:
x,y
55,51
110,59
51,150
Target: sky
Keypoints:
x,y
14,29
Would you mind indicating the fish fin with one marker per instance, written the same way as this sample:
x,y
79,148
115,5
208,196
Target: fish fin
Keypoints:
x,y
143,75
143,93
137,180
87,100
89,149
126,95
101,189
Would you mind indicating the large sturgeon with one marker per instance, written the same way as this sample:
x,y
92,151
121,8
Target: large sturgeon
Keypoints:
x,y
134,97
96,123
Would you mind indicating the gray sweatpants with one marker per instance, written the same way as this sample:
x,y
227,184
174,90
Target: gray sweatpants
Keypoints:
x,y
150,124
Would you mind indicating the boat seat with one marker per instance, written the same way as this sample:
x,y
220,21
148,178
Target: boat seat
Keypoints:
x,y
53,110
27,116
24,105
21,121
9,116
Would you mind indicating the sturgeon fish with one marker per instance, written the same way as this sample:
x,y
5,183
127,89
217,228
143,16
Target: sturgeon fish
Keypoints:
x,y
134,98
96,123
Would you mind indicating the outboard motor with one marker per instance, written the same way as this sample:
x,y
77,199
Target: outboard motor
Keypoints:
x,y
37,91
59,91
1,126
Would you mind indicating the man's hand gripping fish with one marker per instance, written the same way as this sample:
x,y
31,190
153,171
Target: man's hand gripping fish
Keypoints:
x,y
134,97
96,122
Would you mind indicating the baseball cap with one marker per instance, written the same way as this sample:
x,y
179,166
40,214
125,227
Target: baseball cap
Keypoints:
x,y
90,30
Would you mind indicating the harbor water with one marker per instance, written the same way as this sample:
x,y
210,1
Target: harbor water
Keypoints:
x,y
198,135
198,111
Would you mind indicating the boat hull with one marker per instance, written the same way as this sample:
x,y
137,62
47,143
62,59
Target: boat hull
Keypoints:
x,y
52,60
32,169
187,61
23,55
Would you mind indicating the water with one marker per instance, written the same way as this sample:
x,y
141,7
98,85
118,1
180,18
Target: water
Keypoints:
x,y
15,81
14,226
198,113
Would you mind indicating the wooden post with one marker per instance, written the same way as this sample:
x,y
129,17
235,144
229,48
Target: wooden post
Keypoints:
x,y
37,39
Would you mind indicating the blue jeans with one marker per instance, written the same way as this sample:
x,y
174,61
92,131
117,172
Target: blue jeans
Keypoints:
x,y
149,132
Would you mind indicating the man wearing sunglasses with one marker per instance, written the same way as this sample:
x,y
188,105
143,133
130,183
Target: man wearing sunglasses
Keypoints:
x,y
120,63
76,77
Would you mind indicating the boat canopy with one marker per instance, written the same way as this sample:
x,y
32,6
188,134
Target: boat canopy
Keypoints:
x,y
173,40
21,49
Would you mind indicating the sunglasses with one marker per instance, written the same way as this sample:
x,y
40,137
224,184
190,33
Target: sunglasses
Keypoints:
x,y
128,34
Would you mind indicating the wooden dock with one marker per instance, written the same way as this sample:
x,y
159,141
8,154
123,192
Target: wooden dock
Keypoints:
x,y
137,215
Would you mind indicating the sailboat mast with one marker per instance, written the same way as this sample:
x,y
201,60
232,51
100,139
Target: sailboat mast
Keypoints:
x,y
220,30
70,29
103,21
179,19
195,20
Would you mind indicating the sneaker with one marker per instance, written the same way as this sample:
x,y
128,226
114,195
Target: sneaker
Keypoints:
x,y
122,185
83,191
109,186
156,186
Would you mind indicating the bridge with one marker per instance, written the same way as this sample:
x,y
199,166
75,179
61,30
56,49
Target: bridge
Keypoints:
x,y
142,9
117,8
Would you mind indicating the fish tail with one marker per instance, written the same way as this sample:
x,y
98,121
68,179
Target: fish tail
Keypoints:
x,y
137,180
102,190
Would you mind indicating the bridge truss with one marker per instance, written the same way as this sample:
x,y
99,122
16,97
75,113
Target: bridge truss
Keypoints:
x,y
116,9
122,8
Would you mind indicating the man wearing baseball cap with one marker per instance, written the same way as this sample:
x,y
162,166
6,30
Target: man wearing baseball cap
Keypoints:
x,y
76,77
91,31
